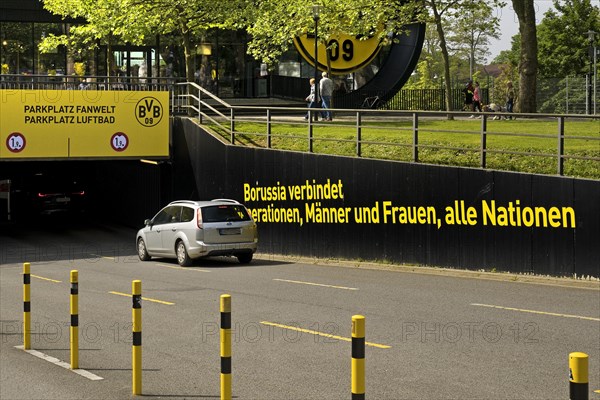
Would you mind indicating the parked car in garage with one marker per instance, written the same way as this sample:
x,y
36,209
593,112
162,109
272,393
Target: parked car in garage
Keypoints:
x,y
57,194
48,193
187,230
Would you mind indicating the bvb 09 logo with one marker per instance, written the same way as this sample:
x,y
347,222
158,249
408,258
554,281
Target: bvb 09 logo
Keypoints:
x,y
148,111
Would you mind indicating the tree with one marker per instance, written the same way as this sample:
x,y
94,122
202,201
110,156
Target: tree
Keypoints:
x,y
274,23
470,31
510,56
528,61
104,23
563,40
438,9
132,21
190,19
441,12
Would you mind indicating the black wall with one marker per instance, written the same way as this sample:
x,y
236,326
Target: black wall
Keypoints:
x,y
204,168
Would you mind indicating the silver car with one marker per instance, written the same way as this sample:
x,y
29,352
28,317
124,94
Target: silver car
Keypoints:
x,y
187,230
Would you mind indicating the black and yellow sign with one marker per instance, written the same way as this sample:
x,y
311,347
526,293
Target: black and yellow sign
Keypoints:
x,y
83,124
348,53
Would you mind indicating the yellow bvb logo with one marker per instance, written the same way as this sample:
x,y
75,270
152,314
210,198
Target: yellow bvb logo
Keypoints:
x,y
348,53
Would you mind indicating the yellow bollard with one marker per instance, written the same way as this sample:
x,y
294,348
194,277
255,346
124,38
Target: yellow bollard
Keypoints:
x,y
578,376
225,347
136,354
26,306
74,329
358,357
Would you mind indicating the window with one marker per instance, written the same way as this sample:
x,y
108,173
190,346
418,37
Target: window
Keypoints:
x,y
168,215
187,214
225,213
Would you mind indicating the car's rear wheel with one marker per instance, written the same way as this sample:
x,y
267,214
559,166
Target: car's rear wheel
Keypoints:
x,y
142,251
244,258
183,258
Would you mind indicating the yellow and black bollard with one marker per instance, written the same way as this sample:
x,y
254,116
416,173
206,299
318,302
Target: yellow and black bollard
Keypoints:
x,y
358,357
74,330
26,306
136,354
225,347
578,376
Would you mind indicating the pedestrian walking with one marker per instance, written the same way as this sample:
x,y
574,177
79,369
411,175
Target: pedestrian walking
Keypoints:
x,y
312,100
510,98
326,90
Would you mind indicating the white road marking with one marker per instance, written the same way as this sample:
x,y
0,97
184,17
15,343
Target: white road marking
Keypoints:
x,y
65,365
536,312
316,284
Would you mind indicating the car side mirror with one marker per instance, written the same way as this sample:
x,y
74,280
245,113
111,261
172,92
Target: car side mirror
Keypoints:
x,y
148,222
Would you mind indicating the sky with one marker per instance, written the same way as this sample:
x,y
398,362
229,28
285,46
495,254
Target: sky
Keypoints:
x,y
509,24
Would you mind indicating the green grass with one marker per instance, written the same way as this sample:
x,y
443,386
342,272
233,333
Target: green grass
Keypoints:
x,y
455,142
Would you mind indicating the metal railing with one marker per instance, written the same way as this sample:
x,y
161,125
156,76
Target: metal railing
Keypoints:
x,y
225,119
73,82
194,101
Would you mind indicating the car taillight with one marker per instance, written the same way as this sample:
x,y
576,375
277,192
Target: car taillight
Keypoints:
x,y
249,214
81,193
45,194
199,218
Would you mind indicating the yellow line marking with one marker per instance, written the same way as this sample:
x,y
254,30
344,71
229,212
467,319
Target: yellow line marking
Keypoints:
x,y
537,312
316,284
597,391
45,279
99,256
328,335
185,268
144,298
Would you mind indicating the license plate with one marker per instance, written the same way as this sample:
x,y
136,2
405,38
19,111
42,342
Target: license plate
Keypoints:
x,y
63,199
230,231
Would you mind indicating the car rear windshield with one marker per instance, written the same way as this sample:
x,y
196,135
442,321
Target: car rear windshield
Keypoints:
x,y
223,213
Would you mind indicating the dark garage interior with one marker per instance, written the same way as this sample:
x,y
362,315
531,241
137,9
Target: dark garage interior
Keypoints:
x,y
116,191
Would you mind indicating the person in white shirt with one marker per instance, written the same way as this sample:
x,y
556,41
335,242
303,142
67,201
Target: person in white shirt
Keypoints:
x,y
326,91
313,101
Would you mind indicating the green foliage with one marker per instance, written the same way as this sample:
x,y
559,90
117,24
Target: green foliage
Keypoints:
x,y
471,28
562,38
105,23
133,21
274,23
105,20
423,76
511,56
509,74
79,68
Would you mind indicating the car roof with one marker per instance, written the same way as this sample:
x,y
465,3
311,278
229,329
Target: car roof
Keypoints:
x,y
204,203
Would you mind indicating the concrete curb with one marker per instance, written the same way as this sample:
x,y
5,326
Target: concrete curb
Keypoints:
x,y
588,284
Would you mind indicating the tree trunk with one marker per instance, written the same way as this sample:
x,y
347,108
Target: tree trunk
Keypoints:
x,y
189,65
444,48
110,59
189,60
528,63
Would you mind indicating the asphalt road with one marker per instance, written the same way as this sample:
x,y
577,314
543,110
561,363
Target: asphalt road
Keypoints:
x,y
431,335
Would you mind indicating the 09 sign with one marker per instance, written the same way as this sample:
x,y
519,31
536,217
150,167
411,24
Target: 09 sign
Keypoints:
x,y
347,53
